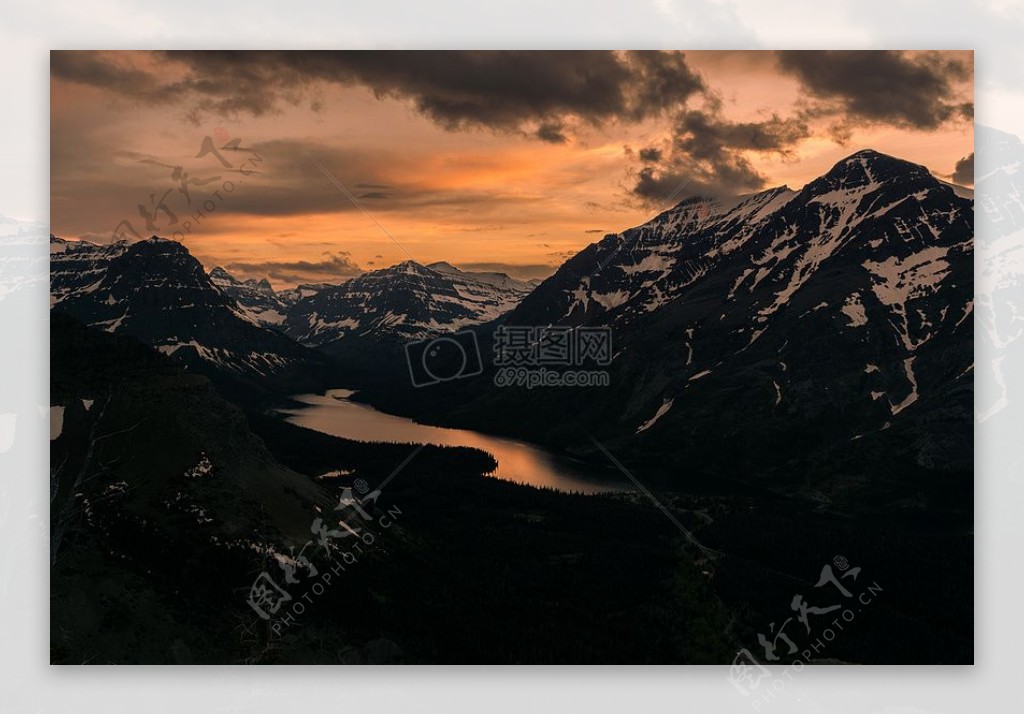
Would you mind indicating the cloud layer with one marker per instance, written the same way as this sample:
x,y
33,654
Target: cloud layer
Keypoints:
x,y
538,93
885,86
466,155
964,171
334,267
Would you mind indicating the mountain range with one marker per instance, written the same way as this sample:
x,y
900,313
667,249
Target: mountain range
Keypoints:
x,y
403,302
156,291
808,325
791,378
793,321
245,331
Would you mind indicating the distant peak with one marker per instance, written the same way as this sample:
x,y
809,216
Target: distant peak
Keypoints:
x,y
443,266
219,272
409,266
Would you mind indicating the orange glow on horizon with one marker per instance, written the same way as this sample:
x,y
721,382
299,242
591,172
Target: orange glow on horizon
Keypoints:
x,y
474,197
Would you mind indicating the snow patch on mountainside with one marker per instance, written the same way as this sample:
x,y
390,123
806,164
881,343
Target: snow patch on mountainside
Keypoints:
x,y
854,310
908,369
611,300
898,281
666,405
837,210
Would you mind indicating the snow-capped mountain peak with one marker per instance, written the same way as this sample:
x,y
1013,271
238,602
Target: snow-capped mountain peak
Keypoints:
x,y
868,267
156,291
404,301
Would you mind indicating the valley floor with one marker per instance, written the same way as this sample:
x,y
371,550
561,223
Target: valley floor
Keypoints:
x,y
472,569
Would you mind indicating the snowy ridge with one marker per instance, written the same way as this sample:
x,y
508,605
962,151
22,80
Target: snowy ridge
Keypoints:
x,y
256,298
874,258
156,291
404,301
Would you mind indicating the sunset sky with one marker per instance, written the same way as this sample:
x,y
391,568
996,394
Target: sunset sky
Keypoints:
x,y
343,162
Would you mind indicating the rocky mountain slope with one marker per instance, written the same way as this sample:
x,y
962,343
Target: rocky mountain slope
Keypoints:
x,y
255,297
764,331
155,290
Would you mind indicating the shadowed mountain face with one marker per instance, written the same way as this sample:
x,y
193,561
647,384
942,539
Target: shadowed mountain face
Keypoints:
x,y
405,301
167,511
109,385
156,291
767,331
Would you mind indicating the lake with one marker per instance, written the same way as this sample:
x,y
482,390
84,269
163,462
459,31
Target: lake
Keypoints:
x,y
333,413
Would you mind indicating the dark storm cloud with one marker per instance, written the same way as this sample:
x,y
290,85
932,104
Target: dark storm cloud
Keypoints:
x,y
650,155
528,92
655,185
707,155
964,171
546,96
882,86
91,68
334,265
552,132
